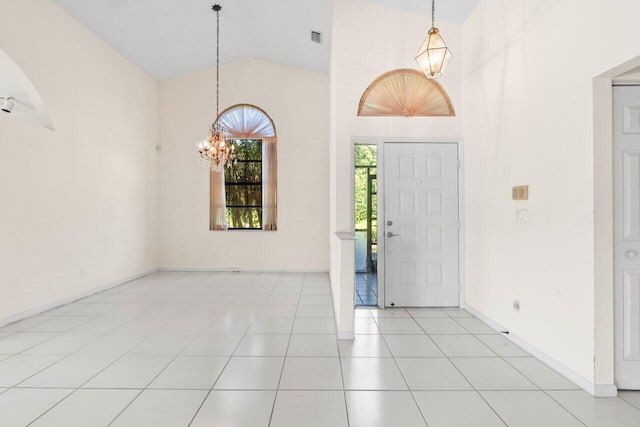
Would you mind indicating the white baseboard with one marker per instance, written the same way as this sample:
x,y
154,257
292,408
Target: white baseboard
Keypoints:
x,y
607,390
346,335
68,300
342,335
234,270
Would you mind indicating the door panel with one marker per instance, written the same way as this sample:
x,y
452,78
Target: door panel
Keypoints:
x,y
631,313
627,236
631,198
421,243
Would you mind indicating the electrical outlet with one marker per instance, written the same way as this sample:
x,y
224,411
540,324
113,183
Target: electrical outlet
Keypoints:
x,y
83,273
522,216
516,305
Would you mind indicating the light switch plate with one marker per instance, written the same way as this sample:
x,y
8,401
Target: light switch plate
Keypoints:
x,y
520,193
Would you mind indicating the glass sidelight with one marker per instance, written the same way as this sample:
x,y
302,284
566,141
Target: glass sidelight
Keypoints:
x,y
366,224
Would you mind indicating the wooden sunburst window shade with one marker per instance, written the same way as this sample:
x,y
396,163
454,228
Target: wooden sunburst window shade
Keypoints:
x,y
405,93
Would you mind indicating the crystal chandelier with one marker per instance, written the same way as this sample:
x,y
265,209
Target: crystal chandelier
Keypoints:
x,y
216,152
434,55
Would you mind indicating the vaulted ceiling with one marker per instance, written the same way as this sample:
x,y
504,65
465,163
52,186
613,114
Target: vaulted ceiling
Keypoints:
x,y
168,38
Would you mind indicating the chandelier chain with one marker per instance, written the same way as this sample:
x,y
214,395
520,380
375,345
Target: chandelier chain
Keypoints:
x,y
217,63
216,152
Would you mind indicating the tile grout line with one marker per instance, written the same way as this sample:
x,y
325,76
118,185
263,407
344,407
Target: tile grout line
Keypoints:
x,y
219,375
284,360
180,353
632,404
460,372
474,387
232,353
65,356
216,380
400,370
538,388
126,407
127,353
503,358
53,406
110,364
344,387
79,387
15,386
563,407
438,347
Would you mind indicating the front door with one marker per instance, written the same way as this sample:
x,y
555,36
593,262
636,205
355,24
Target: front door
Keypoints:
x,y
421,225
627,235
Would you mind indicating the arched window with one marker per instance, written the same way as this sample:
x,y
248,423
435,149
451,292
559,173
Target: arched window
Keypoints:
x,y
405,92
243,197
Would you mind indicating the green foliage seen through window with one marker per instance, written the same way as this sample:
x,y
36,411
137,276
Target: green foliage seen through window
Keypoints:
x,y
243,186
365,155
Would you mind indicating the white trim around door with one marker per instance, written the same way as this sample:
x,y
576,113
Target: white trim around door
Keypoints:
x,y
379,142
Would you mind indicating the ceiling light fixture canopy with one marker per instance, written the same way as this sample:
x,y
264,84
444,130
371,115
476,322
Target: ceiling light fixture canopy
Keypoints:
x,y
434,55
217,152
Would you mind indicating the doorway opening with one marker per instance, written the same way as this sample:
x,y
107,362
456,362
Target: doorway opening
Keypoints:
x,y
611,258
366,224
626,166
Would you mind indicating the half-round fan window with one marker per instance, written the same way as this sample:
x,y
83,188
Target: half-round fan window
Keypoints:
x,y
405,92
243,197
245,121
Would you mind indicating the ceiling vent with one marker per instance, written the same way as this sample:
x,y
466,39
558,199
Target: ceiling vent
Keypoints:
x,y
316,37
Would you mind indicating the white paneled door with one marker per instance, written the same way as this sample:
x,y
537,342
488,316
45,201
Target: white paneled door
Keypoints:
x,y
421,225
627,236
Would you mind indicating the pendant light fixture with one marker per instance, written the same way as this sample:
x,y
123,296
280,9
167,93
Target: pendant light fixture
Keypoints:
x,y
216,152
434,55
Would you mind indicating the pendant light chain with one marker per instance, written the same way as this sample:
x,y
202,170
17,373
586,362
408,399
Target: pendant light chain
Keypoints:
x,y
433,13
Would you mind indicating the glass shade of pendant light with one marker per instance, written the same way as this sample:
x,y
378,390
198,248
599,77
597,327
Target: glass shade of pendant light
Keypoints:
x,y
216,152
434,55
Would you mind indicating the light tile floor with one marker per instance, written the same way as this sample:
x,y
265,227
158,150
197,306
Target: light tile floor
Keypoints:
x,y
250,349
366,289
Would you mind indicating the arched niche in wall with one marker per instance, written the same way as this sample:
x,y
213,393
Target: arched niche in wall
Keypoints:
x,y
29,106
405,93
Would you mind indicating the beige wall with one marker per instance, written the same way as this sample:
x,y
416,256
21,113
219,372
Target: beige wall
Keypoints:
x,y
369,40
297,101
85,195
528,87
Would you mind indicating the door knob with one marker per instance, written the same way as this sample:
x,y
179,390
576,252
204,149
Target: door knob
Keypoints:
x,y
390,234
631,254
